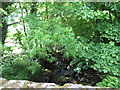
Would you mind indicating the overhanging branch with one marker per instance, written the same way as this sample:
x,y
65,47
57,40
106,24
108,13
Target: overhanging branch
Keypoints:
x,y
13,23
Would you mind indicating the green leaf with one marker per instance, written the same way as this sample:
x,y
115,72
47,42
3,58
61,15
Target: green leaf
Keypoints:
x,y
112,43
32,53
12,20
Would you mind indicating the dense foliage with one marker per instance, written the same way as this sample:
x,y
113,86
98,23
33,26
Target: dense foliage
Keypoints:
x,y
110,81
82,35
19,68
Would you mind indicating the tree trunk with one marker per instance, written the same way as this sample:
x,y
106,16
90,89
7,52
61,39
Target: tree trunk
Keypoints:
x,y
0,26
4,28
4,31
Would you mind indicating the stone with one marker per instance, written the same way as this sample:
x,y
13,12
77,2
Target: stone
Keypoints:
x,y
29,84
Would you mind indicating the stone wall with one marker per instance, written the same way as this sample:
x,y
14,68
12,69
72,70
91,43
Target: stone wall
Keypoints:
x,y
29,84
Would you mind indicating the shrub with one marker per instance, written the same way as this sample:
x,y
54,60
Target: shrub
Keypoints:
x,y
50,37
105,58
109,81
20,68
101,57
109,31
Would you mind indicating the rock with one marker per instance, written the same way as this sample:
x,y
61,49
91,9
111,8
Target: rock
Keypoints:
x,y
69,85
91,76
42,76
24,84
62,77
29,84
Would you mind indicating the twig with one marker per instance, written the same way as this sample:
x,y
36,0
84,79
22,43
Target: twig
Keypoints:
x,y
4,57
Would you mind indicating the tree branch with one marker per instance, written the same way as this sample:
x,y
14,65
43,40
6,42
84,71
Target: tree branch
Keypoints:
x,y
13,23
4,57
